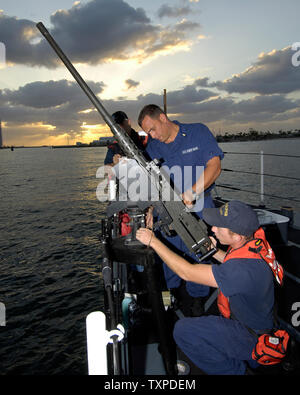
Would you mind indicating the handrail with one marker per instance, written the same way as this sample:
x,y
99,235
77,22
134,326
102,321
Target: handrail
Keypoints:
x,y
257,193
258,153
264,174
261,174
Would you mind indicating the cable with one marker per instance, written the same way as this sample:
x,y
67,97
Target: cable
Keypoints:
x,y
257,193
258,153
262,174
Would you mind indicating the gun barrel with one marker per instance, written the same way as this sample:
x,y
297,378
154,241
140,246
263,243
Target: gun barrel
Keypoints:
x,y
107,118
126,144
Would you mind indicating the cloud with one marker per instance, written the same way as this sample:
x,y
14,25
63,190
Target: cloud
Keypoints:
x,y
17,35
271,73
95,32
131,84
61,104
185,25
59,107
202,82
270,104
54,108
171,38
188,94
49,94
170,11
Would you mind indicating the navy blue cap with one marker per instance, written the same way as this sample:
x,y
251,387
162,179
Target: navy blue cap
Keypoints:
x,y
234,215
119,117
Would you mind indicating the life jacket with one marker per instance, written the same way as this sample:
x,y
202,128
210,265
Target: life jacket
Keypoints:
x,y
257,248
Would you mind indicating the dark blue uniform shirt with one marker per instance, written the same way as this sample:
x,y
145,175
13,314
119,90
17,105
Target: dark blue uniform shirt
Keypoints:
x,y
249,284
114,148
186,157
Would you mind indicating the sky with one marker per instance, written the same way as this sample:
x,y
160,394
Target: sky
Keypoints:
x,y
233,65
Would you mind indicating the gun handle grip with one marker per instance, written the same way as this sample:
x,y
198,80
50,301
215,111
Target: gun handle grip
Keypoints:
x,y
208,254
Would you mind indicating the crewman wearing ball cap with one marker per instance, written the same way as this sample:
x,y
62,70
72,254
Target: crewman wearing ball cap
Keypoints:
x,y
222,344
114,152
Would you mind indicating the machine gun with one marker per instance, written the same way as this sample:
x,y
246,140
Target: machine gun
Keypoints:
x,y
172,212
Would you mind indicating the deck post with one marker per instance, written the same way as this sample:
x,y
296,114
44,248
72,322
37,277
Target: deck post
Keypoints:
x,y
262,204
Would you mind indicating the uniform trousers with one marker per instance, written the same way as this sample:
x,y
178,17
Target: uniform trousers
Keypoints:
x,y
217,345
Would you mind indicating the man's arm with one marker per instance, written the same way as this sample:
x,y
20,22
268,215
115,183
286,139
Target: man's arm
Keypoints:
x,y
209,176
198,273
109,157
206,179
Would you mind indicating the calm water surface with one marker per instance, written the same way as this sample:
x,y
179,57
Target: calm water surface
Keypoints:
x,y
49,250
274,165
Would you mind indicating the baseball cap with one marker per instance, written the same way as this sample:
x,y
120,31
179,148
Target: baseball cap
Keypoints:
x,y
234,215
119,117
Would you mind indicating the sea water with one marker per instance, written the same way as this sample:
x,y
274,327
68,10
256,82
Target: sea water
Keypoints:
x,y
50,274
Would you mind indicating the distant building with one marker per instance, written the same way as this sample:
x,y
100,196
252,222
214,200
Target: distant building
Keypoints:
x,y
106,140
1,140
102,142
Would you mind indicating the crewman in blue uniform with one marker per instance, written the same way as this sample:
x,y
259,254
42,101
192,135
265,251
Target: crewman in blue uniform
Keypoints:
x,y
191,155
114,152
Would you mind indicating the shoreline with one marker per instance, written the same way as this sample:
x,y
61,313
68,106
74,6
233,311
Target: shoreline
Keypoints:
x,y
255,136
227,138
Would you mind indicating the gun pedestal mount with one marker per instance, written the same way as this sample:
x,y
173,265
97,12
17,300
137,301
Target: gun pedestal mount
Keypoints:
x,y
141,255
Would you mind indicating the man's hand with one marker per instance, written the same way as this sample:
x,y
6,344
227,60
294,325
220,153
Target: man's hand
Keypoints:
x,y
213,241
220,254
116,159
188,198
145,236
